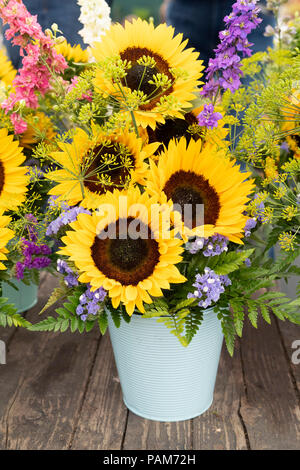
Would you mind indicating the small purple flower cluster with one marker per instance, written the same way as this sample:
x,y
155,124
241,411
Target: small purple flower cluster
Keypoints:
x,y
90,302
31,261
250,224
224,70
212,246
208,118
31,227
65,218
209,287
71,279
54,201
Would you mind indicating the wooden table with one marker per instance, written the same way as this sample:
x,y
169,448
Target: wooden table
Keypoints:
x,y
61,391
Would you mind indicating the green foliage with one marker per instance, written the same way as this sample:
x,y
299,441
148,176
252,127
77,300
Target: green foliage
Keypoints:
x,y
226,263
182,319
58,294
9,315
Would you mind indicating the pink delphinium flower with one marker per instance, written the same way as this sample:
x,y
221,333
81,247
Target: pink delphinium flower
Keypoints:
x,y
85,96
19,124
40,58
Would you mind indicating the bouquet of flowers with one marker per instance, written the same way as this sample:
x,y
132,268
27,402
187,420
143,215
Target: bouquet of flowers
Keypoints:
x,y
134,194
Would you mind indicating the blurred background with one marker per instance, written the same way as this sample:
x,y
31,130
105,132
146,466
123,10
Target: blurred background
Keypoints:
x,y
142,8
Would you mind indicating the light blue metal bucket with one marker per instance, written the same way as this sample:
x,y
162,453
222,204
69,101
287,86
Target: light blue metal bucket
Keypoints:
x,y
161,379
24,298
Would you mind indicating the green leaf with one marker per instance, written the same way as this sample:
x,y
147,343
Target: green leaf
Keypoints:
x,y
103,322
229,331
229,262
55,296
238,315
252,312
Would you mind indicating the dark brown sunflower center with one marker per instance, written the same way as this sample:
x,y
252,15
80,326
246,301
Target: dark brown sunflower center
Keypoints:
x,y
108,167
126,251
139,78
191,192
296,138
2,177
175,129
139,75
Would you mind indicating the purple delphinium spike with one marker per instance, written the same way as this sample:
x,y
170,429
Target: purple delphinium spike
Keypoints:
x,y
224,71
208,117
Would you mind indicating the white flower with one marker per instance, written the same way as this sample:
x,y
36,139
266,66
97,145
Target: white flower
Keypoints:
x,y
200,243
95,17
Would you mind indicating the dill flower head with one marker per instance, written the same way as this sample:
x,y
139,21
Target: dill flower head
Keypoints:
x,y
91,166
147,70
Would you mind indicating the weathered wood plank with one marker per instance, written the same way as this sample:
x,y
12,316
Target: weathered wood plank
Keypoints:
x,y
42,386
7,333
152,435
103,418
220,427
290,335
270,408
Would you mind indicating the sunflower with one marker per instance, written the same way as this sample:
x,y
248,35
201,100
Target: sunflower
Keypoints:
x,y
13,179
196,176
91,166
131,268
40,128
6,234
293,141
148,53
7,71
187,127
73,53
291,114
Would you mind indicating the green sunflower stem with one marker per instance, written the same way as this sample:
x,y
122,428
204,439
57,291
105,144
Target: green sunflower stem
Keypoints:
x,y
134,123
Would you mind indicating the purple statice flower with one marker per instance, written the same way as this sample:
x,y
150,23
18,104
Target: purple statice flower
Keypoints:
x,y
90,302
40,262
71,279
259,209
209,287
285,147
224,70
208,118
31,260
31,227
53,201
65,218
20,270
248,262
212,246
250,224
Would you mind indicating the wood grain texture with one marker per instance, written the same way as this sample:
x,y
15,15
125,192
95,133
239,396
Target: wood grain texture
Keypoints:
x,y
42,386
152,435
7,333
270,408
220,427
61,391
103,417
290,337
